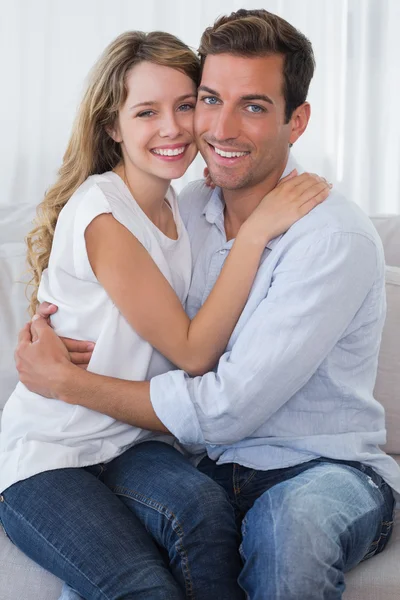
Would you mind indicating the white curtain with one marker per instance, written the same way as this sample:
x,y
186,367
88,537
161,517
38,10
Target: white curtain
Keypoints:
x,y
48,46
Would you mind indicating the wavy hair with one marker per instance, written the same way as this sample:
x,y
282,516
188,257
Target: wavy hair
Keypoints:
x,y
91,150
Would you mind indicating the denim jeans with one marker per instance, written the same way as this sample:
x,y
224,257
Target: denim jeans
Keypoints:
x,y
303,527
147,525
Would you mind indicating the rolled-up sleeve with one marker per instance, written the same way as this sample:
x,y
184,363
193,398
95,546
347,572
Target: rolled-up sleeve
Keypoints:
x,y
318,286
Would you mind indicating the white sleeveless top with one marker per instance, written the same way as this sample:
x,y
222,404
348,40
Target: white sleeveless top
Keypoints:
x,y
39,434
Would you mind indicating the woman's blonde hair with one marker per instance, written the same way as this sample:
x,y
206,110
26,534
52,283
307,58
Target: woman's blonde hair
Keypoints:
x,y
91,150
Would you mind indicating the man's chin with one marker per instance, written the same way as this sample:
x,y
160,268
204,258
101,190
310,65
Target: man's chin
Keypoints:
x,y
229,181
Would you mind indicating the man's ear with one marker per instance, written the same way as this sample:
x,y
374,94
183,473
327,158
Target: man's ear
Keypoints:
x,y
299,121
114,132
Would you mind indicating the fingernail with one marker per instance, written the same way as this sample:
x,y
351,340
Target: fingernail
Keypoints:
x,y
90,346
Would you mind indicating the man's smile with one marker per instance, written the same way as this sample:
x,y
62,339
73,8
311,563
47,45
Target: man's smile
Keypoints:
x,y
227,156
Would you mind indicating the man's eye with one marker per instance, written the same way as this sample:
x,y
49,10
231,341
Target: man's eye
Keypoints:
x,y
210,100
145,113
255,108
186,107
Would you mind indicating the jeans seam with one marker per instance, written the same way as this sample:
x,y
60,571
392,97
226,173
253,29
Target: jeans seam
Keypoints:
x,y
249,479
236,482
176,526
372,550
22,517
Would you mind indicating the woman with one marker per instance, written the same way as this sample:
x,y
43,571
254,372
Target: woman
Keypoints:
x,y
111,251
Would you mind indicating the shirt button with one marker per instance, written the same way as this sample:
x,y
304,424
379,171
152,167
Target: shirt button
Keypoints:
x,y
222,251
1,498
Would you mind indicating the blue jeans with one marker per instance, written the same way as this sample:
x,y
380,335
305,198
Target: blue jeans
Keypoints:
x,y
147,525
303,527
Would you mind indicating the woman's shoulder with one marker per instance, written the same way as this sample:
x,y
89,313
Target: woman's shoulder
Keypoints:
x,y
98,193
99,185
88,198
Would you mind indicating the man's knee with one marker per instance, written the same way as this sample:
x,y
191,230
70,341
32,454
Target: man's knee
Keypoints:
x,y
310,528
313,509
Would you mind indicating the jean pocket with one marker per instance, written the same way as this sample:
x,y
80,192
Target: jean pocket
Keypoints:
x,y
379,544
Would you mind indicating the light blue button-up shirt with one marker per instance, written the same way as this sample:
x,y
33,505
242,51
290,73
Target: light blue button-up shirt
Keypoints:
x,y
296,381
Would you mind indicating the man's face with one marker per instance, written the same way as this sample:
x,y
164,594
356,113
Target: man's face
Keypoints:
x,y
240,119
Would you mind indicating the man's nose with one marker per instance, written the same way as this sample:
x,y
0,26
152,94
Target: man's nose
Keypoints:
x,y
226,125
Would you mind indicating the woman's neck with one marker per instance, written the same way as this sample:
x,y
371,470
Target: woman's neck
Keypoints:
x,y
148,191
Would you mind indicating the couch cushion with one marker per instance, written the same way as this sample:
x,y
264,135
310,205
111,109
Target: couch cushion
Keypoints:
x,y
379,577
21,578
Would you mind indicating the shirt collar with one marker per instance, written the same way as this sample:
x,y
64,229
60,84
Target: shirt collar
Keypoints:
x,y
214,209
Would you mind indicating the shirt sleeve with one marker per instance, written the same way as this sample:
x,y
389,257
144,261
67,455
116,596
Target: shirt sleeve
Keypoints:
x,y
93,204
317,289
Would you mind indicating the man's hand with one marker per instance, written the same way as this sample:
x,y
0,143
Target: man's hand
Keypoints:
x,y
45,310
41,357
80,352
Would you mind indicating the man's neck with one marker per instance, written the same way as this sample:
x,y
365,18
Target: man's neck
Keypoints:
x,y
239,204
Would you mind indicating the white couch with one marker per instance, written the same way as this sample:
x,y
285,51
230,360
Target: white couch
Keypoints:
x,y
21,579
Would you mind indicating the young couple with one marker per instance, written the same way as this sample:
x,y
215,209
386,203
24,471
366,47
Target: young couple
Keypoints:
x,y
277,448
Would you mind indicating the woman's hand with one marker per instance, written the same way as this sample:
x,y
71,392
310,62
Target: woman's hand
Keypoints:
x,y
209,182
293,198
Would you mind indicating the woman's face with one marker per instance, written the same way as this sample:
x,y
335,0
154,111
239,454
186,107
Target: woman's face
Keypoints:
x,y
155,124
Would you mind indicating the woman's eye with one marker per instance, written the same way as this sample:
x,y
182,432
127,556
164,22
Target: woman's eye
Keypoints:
x,y
146,113
210,100
186,107
255,108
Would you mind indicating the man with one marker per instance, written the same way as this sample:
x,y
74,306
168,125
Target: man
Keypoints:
x,y
288,418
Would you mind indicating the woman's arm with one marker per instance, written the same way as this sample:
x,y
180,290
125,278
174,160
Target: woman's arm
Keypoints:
x,y
133,281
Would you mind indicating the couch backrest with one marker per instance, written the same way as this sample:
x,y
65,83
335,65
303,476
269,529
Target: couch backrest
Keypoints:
x,y
15,222
387,388
388,227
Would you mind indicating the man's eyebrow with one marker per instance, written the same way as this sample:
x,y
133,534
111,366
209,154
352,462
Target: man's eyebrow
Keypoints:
x,y
152,103
204,88
258,97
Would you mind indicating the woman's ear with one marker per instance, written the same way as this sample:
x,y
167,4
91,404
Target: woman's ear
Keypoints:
x,y
114,132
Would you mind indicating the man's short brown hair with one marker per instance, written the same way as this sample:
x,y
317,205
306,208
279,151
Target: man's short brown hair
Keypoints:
x,y
261,33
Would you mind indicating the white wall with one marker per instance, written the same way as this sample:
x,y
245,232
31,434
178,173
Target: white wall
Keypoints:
x,y
48,46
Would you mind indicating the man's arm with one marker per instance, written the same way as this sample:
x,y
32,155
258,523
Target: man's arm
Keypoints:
x,y
317,289
44,367
316,292
127,401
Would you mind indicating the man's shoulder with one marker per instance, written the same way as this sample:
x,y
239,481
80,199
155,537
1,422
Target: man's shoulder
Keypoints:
x,y
193,199
337,215
197,187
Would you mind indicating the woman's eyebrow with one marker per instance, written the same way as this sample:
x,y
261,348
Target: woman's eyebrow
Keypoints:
x,y
152,102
